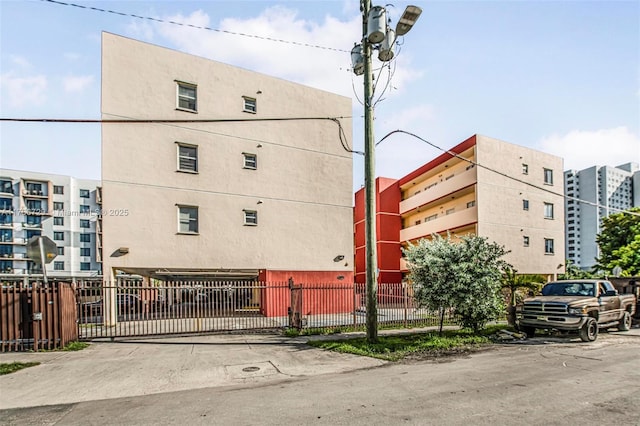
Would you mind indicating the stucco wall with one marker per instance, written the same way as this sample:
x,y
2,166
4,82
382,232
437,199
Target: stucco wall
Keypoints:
x,y
301,188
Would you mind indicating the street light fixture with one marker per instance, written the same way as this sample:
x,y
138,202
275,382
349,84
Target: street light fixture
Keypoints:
x,y
375,34
408,20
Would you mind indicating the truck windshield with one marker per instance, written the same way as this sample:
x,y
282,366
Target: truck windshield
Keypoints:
x,y
569,289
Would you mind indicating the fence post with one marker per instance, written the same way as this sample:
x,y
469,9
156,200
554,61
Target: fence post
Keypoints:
x,y
355,319
404,299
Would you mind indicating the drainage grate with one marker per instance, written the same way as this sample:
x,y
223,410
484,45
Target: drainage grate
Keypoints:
x,y
250,369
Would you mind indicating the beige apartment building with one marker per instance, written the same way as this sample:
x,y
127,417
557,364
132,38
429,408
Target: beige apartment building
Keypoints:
x,y
263,190
508,193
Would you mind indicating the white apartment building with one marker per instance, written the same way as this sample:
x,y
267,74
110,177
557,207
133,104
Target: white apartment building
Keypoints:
x,y
264,193
63,208
613,189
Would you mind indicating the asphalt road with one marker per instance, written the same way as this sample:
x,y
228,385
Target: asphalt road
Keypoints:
x,y
543,382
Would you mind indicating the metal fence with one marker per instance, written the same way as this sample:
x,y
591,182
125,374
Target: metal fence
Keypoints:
x,y
185,307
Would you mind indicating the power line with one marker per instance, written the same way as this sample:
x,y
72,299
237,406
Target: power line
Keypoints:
x,y
163,21
453,154
211,192
341,133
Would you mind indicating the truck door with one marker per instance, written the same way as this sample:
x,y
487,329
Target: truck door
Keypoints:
x,y
609,305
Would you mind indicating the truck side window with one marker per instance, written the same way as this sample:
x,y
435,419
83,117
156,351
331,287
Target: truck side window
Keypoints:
x,y
601,290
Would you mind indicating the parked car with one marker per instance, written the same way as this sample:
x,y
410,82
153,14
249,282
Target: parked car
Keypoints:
x,y
126,304
582,306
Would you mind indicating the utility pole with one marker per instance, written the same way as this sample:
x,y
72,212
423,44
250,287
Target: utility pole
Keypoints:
x,y
375,34
371,252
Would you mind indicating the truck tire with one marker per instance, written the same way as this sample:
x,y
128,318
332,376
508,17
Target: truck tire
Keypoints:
x,y
528,331
625,322
589,331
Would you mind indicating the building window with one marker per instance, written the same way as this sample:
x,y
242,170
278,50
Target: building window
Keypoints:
x,y
548,177
84,223
250,105
85,266
187,158
34,221
58,236
31,233
85,251
250,161
418,222
58,266
525,169
84,208
449,211
432,217
60,251
58,221
187,96
58,189
548,211
471,204
525,204
84,193
187,219
35,206
250,217
525,241
548,246
58,206
85,238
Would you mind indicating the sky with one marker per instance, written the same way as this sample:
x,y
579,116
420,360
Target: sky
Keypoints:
x,y
561,77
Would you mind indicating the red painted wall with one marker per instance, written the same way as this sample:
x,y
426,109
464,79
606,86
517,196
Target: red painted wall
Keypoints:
x,y
388,225
322,292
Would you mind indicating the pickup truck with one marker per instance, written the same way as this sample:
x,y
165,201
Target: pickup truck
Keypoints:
x,y
582,306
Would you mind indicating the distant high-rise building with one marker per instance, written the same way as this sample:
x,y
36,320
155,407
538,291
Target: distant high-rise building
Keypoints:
x,y
613,189
63,208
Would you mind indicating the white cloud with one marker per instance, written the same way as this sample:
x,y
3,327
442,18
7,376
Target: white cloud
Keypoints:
x,y
21,91
20,61
606,147
326,69
77,83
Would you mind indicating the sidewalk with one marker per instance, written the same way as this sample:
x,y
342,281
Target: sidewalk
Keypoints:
x,y
134,367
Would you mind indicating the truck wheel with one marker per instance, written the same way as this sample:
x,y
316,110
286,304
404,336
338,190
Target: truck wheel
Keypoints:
x,y
589,331
625,322
528,331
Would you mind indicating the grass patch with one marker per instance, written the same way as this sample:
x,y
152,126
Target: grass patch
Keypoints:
x,y
396,347
12,367
70,347
75,346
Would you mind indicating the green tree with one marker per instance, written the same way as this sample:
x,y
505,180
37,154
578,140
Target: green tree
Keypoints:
x,y
512,283
464,275
573,272
618,242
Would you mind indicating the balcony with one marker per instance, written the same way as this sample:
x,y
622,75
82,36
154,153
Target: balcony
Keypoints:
x,y
34,193
442,223
457,182
26,225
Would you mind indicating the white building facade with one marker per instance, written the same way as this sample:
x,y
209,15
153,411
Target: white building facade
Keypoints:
x,y
262,191
613,189
63,208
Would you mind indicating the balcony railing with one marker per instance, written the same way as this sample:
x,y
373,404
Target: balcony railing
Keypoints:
x,y
457,182
442,223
